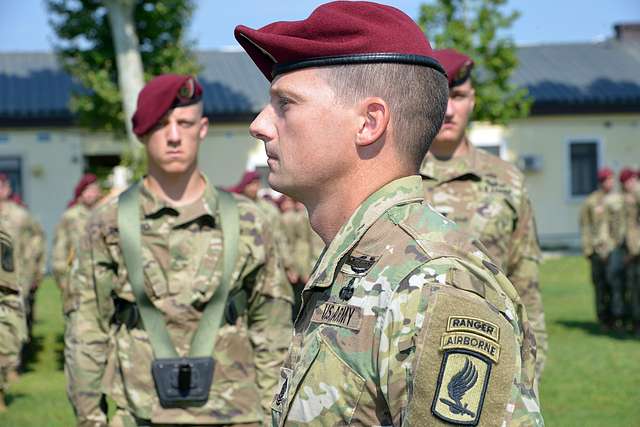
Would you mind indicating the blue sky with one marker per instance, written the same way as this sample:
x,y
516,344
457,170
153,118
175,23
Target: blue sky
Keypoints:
x,y
24,27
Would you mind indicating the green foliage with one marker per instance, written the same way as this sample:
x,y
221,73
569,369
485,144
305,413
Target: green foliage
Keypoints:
x,y
85,49
476,28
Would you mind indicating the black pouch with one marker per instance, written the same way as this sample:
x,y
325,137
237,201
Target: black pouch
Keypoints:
x,y
183,381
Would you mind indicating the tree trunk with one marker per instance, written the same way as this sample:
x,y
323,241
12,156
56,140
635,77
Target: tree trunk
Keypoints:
x,y
128,61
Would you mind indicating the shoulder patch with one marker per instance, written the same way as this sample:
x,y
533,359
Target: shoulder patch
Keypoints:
x,y
466,361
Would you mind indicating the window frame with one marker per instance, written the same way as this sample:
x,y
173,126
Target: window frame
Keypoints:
x,y
582,139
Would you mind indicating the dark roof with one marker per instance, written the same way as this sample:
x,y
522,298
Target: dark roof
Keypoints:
x,y
562,78
34,88
581,77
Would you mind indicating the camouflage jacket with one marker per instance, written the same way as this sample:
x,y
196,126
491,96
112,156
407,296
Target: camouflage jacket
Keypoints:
x,y
632,219
64,249
13,327
29,243
274,220
598,215
181,249
486,196
305,244
398,299
615,205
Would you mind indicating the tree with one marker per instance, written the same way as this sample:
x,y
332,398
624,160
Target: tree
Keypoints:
x,y
105,62
476,28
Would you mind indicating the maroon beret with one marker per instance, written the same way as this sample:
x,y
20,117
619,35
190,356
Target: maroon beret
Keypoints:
x,y
161,94
247,178
86,180
626,174
338,33
457,65
604,174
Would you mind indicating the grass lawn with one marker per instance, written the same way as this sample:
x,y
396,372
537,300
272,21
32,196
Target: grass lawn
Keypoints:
x,y
591,379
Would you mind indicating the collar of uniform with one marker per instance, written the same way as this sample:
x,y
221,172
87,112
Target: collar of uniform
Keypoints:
x,y
400,191
152,205
448,170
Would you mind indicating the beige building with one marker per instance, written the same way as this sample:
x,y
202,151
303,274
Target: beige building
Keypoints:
x,y
586,115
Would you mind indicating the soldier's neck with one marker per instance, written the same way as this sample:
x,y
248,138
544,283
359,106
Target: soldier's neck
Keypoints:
x,y
176,189
445,150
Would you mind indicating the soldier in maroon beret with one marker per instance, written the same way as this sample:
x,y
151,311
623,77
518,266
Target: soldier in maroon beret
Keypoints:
x,y
356,98
175,288
485,194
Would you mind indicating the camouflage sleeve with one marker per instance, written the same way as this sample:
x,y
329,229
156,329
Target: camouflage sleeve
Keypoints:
x,y
270,326
86,341
585,230
467,353
60,253
632,215
523,272
40,253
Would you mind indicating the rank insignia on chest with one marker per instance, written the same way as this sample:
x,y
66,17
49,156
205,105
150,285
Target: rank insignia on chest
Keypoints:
x,y
358,265
462,385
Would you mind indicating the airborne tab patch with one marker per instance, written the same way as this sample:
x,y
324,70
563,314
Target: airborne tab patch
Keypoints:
x,y
462,385
471,342
343,315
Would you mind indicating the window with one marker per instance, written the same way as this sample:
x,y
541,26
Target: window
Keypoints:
x,y
12,168
583,167
493,149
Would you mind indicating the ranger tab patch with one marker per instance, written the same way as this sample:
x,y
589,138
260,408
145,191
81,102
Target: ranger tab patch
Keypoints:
x,y
343,315
473,325
462,385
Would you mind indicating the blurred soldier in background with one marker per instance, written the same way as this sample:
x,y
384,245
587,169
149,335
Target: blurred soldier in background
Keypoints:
x,y
249,186
629,181
29,243
485,195
207,322
598,245
68,232
305,244
13,328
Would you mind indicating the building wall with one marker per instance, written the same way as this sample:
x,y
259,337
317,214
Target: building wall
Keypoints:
x,y
548,139
51,166
52,162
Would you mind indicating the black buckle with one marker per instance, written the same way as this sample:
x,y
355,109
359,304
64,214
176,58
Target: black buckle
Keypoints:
x,y
183,381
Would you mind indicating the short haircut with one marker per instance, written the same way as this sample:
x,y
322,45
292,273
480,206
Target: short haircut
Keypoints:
x,y
417,97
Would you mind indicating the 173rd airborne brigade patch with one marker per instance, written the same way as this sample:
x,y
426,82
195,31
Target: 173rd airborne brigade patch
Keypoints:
x,y
470,347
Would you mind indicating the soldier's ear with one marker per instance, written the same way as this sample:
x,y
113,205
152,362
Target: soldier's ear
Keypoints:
x,y
374,115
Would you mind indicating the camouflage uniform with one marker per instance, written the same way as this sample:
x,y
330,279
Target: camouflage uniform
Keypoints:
x,y
12,316
181,248
29,243
381,314
64,249
274,219
305,245
600,219
487,197
632,246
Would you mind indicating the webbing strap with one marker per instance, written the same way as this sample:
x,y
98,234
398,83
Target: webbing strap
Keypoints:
x,y
130,241
205,337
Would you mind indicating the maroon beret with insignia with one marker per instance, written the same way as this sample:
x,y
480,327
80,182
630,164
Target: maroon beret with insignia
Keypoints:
x,y
161,94
457,65
338,33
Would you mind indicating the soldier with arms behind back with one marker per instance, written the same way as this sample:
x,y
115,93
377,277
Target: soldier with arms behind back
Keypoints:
x,y
598,246
180,331
485,195
404,320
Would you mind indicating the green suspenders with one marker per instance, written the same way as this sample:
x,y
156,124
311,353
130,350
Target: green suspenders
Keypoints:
x,y
178,370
